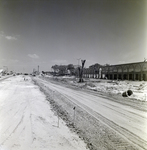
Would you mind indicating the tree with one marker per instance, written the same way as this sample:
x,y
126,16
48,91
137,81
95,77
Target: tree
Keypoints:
x,y
62,69
81,71
59,69
55,68
71,68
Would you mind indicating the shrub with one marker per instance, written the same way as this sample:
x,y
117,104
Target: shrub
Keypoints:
x,y
124,94
129,92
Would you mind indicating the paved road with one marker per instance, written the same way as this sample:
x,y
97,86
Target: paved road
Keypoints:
x,y
129,122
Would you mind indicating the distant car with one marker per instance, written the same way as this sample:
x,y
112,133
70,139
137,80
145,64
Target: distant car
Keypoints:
x,y
25,73
13,74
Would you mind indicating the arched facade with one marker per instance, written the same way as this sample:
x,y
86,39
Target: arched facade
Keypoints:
x,y
131,71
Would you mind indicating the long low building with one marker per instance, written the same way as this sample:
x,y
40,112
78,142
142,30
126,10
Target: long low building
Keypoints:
x,y
129,71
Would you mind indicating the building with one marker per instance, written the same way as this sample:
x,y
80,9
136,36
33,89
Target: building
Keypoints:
x,y
129,71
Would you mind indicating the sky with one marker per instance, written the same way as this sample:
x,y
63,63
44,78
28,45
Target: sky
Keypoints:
x,y
47,32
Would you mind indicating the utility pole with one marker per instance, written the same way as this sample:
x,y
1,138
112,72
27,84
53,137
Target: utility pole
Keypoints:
x,y
6,68
38,69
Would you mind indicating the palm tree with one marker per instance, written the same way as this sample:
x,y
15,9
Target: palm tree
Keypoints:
x,y
81,71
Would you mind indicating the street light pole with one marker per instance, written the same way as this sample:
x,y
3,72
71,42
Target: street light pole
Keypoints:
x,y
78,61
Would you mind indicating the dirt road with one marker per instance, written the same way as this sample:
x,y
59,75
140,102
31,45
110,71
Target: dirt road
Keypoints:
x,y
27,122
128,122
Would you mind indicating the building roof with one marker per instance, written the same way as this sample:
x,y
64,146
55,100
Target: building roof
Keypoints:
x,y
130,63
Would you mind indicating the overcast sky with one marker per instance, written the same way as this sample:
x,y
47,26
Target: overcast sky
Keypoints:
x,y
49,32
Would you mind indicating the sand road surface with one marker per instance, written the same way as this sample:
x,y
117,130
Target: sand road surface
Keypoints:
x,y
27,122
129,122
